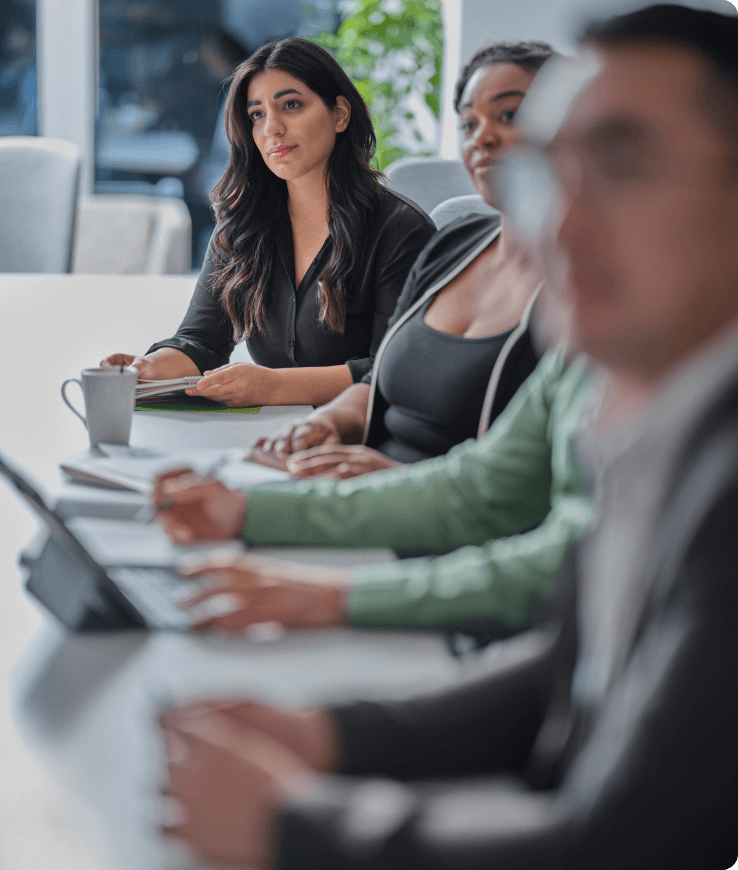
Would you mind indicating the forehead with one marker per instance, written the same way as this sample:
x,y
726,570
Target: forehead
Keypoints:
x,y
271,81
487,82
656,88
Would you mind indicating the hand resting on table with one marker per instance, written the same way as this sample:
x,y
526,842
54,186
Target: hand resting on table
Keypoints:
x,y
339,461
231,781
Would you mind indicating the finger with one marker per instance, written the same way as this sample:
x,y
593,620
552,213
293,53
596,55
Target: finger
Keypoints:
x,y
349,469
345,450
218,600
168,475
174,472
218,565
266,445
312,465
309,441
306,436
186,489
170,717
179,532
204,388
232,622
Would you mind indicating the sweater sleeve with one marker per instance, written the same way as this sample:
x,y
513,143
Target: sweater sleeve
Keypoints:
x,y
501,581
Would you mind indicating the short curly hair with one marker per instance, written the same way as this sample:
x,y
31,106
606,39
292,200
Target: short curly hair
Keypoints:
x,y
529,55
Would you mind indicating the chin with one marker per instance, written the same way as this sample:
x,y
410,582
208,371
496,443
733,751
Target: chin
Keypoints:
x,y
484,184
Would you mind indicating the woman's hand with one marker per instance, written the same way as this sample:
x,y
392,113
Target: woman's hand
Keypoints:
x,y
231,781
238,385
301,435
193,507
144,365
339,461
294,595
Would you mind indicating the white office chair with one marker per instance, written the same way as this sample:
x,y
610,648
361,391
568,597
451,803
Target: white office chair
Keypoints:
x,y
428,180
132,235
39,180
458,207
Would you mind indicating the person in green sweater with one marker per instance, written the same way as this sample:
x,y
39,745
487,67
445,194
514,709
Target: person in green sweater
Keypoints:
x,y
504,509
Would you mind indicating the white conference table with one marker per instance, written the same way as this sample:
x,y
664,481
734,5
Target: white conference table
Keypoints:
x,y
87,704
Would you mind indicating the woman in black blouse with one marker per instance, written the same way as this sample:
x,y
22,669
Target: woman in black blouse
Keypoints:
x,y
458,346
310,251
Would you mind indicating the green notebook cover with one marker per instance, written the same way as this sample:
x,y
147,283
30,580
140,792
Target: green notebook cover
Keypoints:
x,y
193,403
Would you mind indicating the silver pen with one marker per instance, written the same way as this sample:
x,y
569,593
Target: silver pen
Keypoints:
x,y
150,512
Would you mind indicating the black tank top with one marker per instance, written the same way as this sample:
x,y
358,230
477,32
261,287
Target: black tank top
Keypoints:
x,y
435,383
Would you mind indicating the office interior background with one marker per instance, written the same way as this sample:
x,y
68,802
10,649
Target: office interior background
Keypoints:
x,y
138,86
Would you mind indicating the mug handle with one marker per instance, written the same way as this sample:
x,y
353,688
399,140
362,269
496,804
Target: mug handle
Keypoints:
x,y
66,400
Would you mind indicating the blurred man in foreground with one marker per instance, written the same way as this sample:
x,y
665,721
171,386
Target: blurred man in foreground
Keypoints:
x,y
606,738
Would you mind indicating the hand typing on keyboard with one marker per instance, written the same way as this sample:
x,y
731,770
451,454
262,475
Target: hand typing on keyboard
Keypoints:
x,y
253,591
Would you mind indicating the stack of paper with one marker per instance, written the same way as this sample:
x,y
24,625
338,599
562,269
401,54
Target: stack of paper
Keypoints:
x,y
148,390
118,466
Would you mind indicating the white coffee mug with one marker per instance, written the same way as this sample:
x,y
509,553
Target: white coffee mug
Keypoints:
x,y
110,395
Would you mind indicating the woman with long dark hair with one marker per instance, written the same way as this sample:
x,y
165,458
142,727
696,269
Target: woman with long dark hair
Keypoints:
x,y
310,250
458,346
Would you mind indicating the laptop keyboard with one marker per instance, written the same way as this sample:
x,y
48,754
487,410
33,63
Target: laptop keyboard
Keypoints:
x,y
155,593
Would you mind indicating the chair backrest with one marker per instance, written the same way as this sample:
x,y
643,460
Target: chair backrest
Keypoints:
x,y
428,180
39,182
126,234
458,207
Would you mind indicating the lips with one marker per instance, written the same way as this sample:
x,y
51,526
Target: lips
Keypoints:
x,y
484,163
282,150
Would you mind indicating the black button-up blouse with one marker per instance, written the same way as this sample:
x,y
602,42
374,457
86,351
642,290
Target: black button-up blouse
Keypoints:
x,y
294,336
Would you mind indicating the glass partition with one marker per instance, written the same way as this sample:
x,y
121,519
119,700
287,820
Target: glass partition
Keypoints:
x,y
161,93
18,115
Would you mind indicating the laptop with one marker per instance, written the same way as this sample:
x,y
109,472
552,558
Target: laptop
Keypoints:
x,y
82,594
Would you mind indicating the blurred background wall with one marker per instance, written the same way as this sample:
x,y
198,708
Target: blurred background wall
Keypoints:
x,y
138,85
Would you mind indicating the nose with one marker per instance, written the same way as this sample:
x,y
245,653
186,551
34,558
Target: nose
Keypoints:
x,y
576,214
486,134
273,124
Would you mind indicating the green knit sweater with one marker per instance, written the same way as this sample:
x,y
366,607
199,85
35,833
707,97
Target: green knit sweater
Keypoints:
x,y
508,505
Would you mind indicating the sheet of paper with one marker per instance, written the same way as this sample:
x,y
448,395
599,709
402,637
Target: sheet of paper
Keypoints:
x,y
124,542
139,466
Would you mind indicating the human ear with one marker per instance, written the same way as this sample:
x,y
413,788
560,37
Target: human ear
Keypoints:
x,y
342,114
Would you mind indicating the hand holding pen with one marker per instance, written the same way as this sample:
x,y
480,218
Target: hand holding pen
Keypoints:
x,y
192,507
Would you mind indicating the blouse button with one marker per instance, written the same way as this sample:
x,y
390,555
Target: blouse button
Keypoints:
x,y
291,342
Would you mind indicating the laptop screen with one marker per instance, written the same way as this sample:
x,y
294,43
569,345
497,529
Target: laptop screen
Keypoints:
x,y
53,522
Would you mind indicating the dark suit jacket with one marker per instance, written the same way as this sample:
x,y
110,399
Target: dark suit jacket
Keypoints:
x,y
510,772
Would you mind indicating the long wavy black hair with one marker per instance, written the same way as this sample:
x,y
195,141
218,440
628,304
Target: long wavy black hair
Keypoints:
x,y
249,199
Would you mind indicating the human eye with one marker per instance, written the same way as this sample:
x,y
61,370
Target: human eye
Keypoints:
x,y
254,116
292,104
622,154
466,126
508,116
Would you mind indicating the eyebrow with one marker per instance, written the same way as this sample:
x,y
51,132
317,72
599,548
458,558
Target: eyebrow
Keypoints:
x,y
500,96
276,96
617,130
